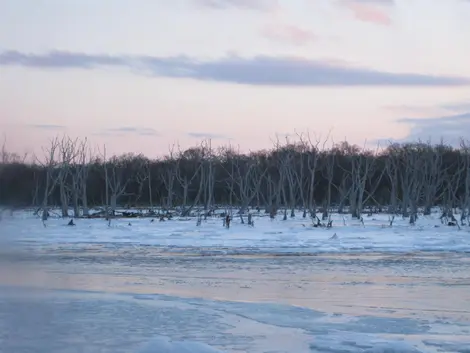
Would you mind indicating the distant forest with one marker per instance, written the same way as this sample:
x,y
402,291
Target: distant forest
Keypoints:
x,y
304,174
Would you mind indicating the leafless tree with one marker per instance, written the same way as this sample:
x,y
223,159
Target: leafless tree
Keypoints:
x,y
118,179
50,164
144,178
313,156
104,156
433,174
411,179
80,177
168,175
391,169
208,175
451,185
328,168
247,175
286,169
68,153
465,146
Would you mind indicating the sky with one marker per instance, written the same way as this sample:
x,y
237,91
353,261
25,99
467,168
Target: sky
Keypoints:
x,y
146,76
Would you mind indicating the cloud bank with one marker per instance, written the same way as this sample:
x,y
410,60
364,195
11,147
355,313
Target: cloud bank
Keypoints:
x,y
450,128
260,70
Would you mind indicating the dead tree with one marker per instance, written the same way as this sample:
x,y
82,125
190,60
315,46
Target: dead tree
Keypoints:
x,y
299,177
343,190
106,180
313,157
391,170
411,179
287,167
433,175
452,179
248,174
68,153
209,171
49,164
168,176
465,153
361,172
328,169
200,156
143,178
118,173
186,176
272,198
228,162
280,188
80,177
119,179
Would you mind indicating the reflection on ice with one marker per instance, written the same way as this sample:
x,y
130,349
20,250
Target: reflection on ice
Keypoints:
x,y
69,322
166,345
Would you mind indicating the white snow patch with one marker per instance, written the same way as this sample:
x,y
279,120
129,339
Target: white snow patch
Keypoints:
x,y
293,235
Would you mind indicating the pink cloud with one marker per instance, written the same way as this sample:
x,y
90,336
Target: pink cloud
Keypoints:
x,y
368,12
288,34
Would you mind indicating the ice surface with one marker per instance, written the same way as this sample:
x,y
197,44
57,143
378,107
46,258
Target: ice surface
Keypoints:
x,y
72,321
166,345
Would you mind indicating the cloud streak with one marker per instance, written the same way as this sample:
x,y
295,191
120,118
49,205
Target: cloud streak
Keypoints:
x,y
289,34
206,135
47,127
370,10
261,5
260,70
128,130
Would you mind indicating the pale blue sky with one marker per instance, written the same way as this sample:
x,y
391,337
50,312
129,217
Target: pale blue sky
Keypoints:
x,y
139,75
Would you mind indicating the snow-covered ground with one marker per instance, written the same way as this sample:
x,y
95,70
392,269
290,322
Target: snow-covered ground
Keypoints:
x,y
293,235
278,287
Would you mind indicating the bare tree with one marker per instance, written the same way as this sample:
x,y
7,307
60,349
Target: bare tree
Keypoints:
x,y
452,179
411,179
196,158
313,155
328,168
144,176
433,175
286,166
106,179
391,168
247,174
208,175
68,153
81,176
168,176
50,164
118,179
465,147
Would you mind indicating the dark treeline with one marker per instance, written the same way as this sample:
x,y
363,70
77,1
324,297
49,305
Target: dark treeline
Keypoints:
x,y
292,175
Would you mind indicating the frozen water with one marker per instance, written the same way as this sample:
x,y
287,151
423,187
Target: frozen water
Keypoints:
x,y
67,321
166,345
276,288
